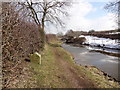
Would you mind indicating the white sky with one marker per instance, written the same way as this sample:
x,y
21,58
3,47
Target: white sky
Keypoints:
x,y
85,16
78,20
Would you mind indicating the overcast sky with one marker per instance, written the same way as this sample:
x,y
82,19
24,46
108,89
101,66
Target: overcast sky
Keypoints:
x,y
86,15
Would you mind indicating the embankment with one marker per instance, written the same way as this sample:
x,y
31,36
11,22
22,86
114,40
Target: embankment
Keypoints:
x,y
58,70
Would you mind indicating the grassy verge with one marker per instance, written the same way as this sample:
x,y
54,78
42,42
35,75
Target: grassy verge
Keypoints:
x,y
48,73
98,78
58,70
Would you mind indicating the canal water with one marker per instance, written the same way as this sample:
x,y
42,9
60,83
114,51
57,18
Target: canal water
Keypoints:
x,y
106,63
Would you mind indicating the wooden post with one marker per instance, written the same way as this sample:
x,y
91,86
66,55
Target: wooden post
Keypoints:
x,y
39,55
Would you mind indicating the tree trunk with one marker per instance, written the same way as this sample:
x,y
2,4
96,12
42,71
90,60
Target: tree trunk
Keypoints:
x,y
42,37
42,33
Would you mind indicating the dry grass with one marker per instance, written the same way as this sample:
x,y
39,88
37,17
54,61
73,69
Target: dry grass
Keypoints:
x,y
58,70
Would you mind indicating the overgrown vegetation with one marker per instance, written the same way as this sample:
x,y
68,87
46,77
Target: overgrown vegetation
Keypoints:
x,y
19,39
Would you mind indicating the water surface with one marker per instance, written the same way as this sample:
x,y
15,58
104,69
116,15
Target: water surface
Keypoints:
x,y
83,56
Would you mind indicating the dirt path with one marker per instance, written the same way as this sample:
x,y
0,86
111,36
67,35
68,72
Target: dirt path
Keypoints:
x,y
76,80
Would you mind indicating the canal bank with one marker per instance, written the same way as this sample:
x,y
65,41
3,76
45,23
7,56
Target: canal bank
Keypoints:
x,y
105,63
58,70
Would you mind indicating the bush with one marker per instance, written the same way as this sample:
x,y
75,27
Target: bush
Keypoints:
x,y
20,38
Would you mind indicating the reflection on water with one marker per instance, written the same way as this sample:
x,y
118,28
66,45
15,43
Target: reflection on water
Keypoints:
x,y
108,64
103,49
110,61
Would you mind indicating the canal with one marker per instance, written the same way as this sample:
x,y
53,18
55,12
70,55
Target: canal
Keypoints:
x,y
106,63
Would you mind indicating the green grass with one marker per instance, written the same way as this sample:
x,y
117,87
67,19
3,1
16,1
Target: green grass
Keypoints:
x,y
97,77
50,74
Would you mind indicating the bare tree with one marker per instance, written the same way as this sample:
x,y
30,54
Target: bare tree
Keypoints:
x,y
115,8
46,11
